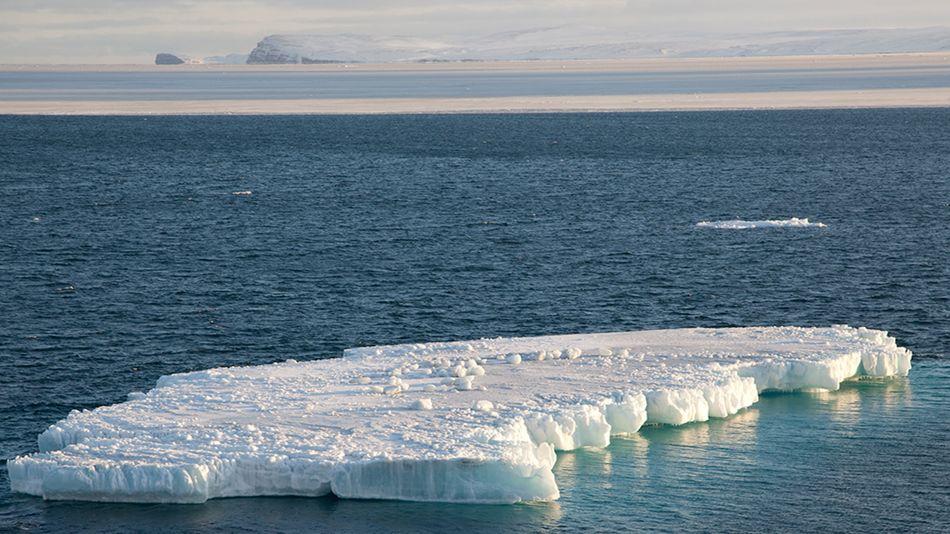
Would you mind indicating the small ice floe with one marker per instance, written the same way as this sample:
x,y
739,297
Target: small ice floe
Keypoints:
x,y
738,224
304,429
242,193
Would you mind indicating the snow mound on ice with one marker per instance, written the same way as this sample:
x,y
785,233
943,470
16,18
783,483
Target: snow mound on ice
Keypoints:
x,y
736,224
474,421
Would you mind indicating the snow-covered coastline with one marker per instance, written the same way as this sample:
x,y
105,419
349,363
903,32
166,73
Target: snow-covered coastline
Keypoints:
x,y
471,421
579,42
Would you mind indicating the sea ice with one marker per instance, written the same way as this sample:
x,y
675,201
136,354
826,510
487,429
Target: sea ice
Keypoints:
x,y
473,421
794,222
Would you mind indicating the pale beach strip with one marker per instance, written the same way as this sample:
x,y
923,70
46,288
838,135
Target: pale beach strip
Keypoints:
x,y
850,99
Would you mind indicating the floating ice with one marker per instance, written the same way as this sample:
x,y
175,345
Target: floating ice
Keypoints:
x,y
459,422
794,222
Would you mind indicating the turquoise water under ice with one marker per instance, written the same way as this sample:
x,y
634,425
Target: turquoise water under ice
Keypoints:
x,y
125,255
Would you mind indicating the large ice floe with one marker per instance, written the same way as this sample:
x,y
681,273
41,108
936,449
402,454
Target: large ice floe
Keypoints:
x,y
737,224
473,421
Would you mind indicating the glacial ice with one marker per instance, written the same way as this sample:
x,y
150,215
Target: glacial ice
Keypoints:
x,y
737,224
472,421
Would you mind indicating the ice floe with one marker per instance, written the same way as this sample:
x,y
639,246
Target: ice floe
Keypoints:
x,y
472,421
737,224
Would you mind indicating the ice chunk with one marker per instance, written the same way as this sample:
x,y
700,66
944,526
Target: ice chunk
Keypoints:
x,y
422,404
736,224
405,421
625,412
483,406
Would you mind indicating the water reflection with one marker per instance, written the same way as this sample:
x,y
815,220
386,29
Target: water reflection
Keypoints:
x,y
877,397
279,514
790,452
597,462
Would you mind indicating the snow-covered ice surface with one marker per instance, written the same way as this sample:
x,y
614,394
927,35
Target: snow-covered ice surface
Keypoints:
x,y
737,224
473,421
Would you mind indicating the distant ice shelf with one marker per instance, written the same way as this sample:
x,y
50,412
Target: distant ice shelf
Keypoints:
x,y
737,224
468,422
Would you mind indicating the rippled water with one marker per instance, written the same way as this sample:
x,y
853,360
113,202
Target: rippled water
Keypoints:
x,y
126,255
294,83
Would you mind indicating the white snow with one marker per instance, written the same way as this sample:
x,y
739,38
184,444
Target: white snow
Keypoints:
x,y
584,42
398,422
737,224
484,406
422,404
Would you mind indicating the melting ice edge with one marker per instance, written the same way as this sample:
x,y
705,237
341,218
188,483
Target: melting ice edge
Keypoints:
x,y
472,421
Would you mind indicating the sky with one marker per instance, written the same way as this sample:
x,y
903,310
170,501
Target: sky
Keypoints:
x,y
132,31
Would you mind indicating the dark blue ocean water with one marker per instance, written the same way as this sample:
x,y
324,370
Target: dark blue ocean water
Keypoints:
x,y
125,255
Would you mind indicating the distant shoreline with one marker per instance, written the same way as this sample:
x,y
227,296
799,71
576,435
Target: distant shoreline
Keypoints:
x,y
882,98
649,64
634,101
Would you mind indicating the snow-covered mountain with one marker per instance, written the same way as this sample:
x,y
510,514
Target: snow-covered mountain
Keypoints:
x,y
344,48
585,42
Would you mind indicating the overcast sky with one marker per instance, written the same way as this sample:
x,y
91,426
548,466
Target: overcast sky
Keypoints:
x,y
132,31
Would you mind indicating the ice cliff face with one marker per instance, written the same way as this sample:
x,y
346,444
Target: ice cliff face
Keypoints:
x,y
471,421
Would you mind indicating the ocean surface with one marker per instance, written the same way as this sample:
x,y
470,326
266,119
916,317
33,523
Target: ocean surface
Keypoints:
x,y
126,254
72,85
